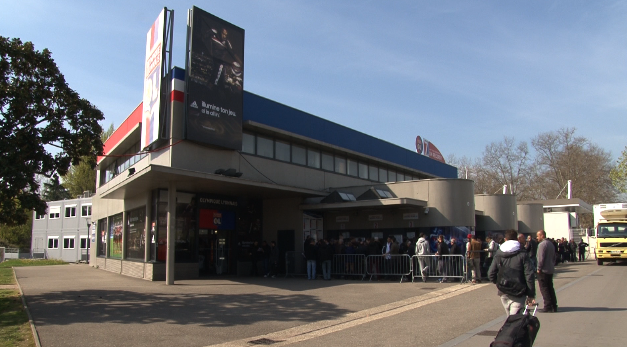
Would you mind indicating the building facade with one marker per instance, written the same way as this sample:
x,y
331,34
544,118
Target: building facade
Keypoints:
x,y
62,232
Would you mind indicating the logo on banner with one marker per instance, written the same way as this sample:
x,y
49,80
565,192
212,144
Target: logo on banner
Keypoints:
x,y
194,105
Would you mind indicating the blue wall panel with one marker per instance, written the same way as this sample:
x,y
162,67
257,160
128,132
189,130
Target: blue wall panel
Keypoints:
x,y
274,114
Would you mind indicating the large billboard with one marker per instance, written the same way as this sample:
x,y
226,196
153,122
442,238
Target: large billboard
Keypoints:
x,y
214,81
151,114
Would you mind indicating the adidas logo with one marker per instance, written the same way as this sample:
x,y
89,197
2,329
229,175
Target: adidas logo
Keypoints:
x,y
194,105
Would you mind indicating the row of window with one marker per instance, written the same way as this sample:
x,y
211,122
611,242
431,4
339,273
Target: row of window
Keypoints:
x,y
70,212
268,147
126,160
68,242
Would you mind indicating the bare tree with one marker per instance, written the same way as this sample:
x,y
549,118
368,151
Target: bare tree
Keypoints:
x,y
504,163
562,156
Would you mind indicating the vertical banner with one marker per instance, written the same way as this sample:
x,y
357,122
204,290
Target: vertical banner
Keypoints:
x,y
152,82
214,81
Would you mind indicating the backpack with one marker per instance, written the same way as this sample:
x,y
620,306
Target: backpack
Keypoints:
x,y
510,281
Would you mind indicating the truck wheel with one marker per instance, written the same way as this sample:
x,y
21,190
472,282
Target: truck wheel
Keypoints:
x,y
599,262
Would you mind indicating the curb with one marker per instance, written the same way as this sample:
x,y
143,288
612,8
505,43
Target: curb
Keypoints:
x,y
30,318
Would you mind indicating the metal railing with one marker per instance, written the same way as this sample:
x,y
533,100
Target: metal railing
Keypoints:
x,y
349,265
391,266
295,264
444,267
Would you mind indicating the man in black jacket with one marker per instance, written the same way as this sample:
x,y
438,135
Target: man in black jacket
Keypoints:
x,y
514,275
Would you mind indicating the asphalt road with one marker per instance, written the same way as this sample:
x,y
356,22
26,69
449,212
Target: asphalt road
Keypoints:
x,y
77,305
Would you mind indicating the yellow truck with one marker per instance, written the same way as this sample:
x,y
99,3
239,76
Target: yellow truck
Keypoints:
x,y
611,232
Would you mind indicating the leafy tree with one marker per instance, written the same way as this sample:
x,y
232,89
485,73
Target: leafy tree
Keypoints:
x,y
17,236
54,190
619,173
38,111
82,177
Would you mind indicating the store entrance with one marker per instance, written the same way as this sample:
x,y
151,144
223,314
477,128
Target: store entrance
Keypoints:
x,y
214,252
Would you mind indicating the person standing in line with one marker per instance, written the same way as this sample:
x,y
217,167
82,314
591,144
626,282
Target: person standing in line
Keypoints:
x,y
390,248
492,248
423,251
442,251
274,259
546,268
573,250
532,249
474,258
456,251
311,254
582,250
518,286
326,257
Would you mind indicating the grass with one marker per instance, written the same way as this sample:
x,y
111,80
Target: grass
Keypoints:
x,y
15,329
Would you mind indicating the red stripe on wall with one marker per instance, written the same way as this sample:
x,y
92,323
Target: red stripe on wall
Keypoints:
x,y
177,95
131,121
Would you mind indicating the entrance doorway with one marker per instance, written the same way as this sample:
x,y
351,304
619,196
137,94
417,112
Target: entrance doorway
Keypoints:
x,y
214,253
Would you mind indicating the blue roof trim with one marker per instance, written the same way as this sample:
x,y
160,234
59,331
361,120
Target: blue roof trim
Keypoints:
x,y
274,114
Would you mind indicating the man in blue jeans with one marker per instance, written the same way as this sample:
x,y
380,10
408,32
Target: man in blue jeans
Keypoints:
x,y
311,254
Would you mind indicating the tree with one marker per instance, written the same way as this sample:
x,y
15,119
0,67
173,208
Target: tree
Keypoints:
x,y
82,177
18,236
38,111
562,156
504,163
54,190
618,174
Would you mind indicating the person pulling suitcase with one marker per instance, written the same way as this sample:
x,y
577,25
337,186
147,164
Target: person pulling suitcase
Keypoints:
x,y
519,330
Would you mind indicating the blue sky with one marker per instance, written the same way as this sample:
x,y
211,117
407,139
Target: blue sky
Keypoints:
x,y
461,74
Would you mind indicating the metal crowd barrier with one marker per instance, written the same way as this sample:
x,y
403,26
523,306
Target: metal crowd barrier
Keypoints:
x,y
443,267
391,266
349,265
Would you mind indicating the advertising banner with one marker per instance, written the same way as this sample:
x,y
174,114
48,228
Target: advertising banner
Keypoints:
x,y
151,114
426,148
215,81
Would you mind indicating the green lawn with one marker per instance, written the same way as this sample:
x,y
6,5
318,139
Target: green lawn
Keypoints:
x,y
15,330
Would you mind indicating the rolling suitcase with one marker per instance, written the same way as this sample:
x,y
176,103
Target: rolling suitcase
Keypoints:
x,y
519,330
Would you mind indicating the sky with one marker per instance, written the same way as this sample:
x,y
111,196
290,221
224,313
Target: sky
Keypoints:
x,y
462,74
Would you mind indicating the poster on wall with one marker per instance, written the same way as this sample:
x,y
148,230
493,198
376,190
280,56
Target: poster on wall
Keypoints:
x,y
116,227
215,81
151,112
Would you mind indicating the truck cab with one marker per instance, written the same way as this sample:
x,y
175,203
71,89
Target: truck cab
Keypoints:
x,y
611,232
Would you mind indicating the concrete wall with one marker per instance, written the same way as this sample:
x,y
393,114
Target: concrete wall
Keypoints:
x,y
499,212
283,214
530,218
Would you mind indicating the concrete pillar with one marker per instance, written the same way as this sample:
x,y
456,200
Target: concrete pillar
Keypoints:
x,y
169,262
147,228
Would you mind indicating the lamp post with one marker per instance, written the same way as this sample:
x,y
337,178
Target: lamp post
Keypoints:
x,y
88,220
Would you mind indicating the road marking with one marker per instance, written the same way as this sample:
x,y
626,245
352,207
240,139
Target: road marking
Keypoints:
x,y
321,328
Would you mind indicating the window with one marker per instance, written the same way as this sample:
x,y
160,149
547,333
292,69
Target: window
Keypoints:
x,y
282,150
340,165
101,238
84,242
265,147
55,212
373,173
313,158
53,242
114,244
299,155
400,177
248,143
86,210
70,211
40,216
383,175
352,168
68,242
363,171
135,230
327,161
391,176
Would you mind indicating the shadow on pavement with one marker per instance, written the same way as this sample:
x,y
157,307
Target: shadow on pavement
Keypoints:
x,y
208,310
590,309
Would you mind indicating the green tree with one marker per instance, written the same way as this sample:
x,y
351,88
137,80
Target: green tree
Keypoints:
x,y
17,236
82,177
38,111
618,174
53,190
